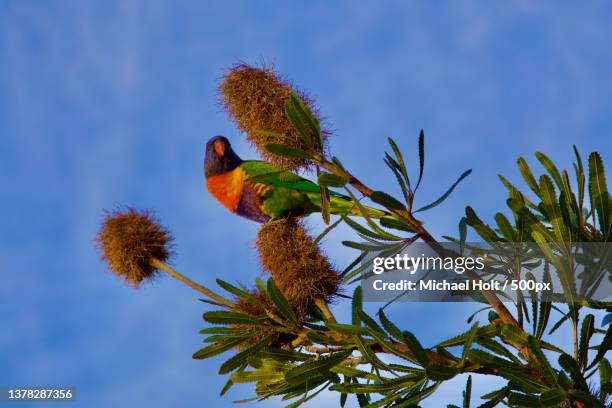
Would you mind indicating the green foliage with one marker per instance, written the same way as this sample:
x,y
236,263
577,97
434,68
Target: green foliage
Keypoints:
x,y
295,355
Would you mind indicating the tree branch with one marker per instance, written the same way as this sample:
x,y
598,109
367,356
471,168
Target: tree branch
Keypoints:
x,y
417,225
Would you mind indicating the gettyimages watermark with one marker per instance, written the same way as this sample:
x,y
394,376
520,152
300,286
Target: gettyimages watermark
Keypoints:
x,y
549,272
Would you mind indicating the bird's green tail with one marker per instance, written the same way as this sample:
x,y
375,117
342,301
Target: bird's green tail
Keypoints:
x,y
339,205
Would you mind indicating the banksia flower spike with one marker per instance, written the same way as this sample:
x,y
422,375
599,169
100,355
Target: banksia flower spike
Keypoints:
x,y
301,271
255,100
136,247
129,241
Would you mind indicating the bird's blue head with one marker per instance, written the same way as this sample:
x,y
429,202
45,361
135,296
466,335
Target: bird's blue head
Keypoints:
x,y
219,157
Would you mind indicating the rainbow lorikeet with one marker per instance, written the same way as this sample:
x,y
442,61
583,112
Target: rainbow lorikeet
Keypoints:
x,y
260,191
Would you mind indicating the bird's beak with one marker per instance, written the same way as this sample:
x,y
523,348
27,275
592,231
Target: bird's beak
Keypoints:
x,y
220,148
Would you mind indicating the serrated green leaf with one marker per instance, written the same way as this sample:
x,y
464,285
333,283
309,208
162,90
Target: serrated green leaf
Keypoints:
x,y
370,322
604,346
421,158
356,306
490,330
552,397
297,123
302,372
545,304
360,246
437,372
323,339
551,168
549,373
445,195
212,302
462,234
534,225
347,328
467,394
518,379
498,348
325,205
586,398
386,400
218,348
586,332
528,175
523,400
471,335
395,168
415,347
559,323
281,303
226,387
600,197
257,376
364,213
417,397
223,317
367,353
279,354
496,394
355,373
285,151
391,347
481,228
363,230
239,358
473,315
505,227
384,199
327,231
217,338
400,160
238,292
605,372
309,118
571,366
395,224
331,180
381,387
391,328
580,177
552,210
486,359
218,330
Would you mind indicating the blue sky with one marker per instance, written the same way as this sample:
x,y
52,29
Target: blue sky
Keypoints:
x,y
106,103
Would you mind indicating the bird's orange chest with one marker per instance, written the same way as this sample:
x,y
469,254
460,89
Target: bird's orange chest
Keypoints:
x,y
227,188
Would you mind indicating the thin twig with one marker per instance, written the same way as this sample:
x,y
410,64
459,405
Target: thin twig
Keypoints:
x,y
322,305
156,263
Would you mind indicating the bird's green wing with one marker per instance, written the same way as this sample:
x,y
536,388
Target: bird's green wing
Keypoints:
x,y
293,193
263,172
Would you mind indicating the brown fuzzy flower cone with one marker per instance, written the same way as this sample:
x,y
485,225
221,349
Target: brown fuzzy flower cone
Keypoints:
x,y
258,332
129,240
298,267
255,100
